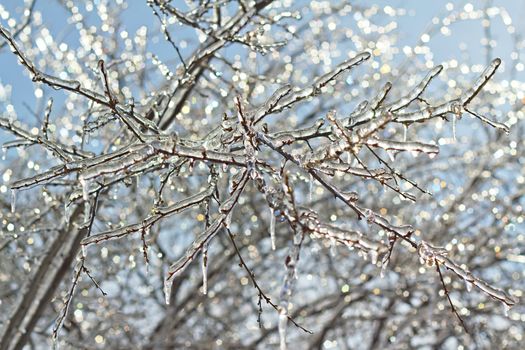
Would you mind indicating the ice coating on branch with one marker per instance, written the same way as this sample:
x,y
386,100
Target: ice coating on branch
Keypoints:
x,y
411,146
481,81
417,90
430,255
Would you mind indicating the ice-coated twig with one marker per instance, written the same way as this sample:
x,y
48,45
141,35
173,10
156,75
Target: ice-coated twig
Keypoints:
x,y
429,255
203,238
480,82
409,146
376,102
319,83
158,214
416,91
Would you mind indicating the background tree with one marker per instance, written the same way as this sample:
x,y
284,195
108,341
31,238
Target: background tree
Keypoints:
x,y
252,174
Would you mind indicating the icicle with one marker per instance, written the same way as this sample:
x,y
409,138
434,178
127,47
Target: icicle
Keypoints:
x,y
272,228
506,309
333,245
4,153
362,255
168,283
405,132
204,266
468,285
85,188
67,210
84,250
373,256
391,155
55,343
311,188
13,201
415,153
454,127
283,320
384,265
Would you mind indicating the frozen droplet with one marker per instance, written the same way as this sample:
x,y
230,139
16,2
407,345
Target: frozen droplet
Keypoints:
x,y
4,153
13,201
405,132
272,228
283,321
415,153
468,285
432,155
83,249
204,267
